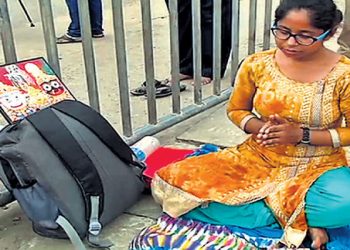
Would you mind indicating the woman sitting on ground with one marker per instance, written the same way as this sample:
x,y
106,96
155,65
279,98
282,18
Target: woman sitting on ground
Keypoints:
x,y
291,170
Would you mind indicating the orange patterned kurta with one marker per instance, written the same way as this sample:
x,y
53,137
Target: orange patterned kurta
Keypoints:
x,y
249,172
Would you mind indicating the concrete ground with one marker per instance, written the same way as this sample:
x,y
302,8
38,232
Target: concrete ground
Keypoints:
x,y
211,126
30,43
15,229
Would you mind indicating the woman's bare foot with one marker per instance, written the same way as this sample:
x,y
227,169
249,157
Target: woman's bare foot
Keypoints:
x,y
204,80
182,77
319,238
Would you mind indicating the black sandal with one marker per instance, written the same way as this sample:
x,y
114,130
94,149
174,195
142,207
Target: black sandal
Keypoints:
x,y
162,89
165,90
142,90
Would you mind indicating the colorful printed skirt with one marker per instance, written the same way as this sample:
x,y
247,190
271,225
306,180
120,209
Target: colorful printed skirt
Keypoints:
x,y
170,233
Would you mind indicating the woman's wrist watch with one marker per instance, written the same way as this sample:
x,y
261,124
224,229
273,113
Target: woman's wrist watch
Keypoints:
x,y
306,136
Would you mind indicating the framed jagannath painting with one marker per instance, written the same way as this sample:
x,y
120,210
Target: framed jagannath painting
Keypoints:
x,y
29,86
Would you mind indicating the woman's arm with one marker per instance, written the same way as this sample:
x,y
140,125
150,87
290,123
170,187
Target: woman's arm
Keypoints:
x,y
343,133
240,105
320,138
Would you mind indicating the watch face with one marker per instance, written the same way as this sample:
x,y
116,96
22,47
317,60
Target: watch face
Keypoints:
x,y
306,136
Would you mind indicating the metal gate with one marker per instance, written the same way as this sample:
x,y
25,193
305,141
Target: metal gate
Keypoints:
x,y
178,114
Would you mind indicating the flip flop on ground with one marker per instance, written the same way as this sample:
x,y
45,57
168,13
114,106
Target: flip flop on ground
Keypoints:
x,y
162,89
143,89
165,90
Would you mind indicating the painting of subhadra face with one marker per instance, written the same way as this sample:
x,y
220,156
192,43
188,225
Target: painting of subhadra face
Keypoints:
x,y
29,86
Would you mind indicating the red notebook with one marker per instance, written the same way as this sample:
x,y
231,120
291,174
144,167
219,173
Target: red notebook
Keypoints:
x,y
164,156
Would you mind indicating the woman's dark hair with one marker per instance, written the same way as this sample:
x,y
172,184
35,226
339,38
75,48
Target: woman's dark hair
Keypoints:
x,y
324,14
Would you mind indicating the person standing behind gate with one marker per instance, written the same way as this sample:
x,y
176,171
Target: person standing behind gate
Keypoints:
x,y
185,38
73,34
344,38
185,45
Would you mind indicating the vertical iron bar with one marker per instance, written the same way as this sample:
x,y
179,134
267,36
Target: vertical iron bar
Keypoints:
x,y
175,56
88,51
8,44
267,25
49,34
217,47
235,39
120,50
197,50
149,62
252,26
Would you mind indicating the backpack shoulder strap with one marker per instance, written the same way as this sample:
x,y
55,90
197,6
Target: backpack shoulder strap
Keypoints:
x,y
76,161
98,125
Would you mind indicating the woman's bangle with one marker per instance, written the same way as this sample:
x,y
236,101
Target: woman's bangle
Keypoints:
x,y
245,120
335,138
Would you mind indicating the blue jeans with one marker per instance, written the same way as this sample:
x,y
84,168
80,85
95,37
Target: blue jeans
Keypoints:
x,y
95,9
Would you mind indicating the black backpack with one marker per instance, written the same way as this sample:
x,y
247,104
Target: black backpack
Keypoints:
x,y
70,171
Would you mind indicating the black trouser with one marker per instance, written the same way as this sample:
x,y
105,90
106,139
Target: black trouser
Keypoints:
x,y
185,36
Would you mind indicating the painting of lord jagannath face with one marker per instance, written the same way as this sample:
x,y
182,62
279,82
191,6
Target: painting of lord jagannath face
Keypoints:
x,y
29,86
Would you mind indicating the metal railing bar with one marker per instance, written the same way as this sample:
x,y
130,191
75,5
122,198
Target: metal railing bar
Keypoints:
x,y
235,39
252,26
49,35
175,56
217,47
267,24
197,53
120,50
89,55
172,119
8,44
149,61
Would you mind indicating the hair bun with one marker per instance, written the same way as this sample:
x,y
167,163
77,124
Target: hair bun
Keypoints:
x,y
338,17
